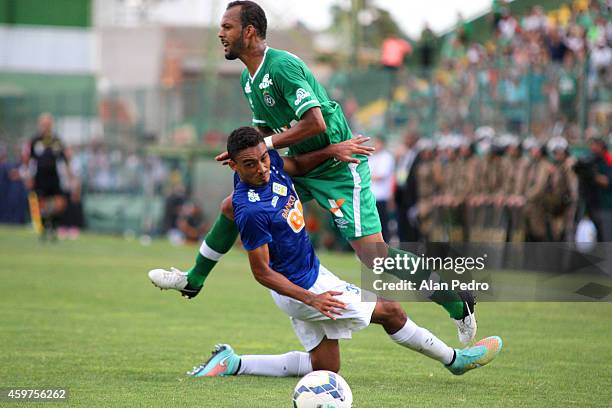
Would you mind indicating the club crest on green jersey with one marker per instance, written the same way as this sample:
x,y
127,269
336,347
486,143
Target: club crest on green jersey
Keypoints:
x,y
268,99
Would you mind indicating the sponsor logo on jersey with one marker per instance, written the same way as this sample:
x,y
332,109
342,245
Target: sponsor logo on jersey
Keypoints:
x,y
289,205
294,214
300,95
269,100
274,201
335,207
247,87
266,82
341,222
253,196
279,189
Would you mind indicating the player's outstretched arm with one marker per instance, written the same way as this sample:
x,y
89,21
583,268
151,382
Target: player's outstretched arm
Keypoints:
x,y
311,124
343,151
325,303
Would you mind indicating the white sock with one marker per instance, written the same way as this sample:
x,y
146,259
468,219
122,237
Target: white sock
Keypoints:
x,y
422,340
208,252
292,364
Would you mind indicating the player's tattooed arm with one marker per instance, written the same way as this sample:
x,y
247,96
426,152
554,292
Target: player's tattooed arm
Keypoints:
x,y
326,303
343,151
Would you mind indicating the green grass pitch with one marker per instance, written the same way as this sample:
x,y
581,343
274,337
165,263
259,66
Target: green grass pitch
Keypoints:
x,y
83,315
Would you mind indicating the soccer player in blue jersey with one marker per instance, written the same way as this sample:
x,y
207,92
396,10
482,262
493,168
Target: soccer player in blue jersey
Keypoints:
x,y
322,307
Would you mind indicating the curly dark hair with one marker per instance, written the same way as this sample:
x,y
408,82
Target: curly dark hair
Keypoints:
x,y
251,14
242,138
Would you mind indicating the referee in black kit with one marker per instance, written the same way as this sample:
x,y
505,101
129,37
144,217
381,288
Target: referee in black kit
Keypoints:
x,y
47,202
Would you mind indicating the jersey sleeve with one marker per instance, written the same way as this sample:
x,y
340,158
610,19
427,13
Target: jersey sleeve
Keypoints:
x,y
292,83
254,228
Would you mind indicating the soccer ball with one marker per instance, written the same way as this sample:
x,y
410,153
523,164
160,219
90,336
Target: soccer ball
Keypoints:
x,y
322,389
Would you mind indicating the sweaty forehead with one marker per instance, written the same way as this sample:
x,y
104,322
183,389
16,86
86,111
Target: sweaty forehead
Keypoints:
x,y
232,16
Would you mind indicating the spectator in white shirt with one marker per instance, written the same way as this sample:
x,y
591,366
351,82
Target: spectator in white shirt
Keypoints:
x,y
382,166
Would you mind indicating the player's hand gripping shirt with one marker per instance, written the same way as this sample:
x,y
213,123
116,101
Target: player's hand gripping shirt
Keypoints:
x,y
282,90
273,215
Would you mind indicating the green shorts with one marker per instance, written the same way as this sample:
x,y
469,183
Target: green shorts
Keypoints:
x,y
344,190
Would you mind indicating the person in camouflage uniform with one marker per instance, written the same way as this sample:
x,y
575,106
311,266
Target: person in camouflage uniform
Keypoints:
x,y
515,169
537,188
492,174
477,199
561,201
428,175
465,185
445,219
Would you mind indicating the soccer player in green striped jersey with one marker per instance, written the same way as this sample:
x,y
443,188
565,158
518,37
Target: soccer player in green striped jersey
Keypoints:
x,y
293,110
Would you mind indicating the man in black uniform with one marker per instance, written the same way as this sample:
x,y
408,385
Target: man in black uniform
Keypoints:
x,y
406,189
45,153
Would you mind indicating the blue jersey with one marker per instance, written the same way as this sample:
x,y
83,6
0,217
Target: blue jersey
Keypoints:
x,y
273,215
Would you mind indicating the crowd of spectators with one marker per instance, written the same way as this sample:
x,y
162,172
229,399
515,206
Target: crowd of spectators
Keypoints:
x,y
535,72
496,188
532,74
539,77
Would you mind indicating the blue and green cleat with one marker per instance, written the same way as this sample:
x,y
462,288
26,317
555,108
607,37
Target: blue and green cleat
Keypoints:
x,y
482,353
223,362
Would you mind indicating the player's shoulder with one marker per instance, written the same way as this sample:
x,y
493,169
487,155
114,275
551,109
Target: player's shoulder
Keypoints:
x,y
244,76
275,53
245,193
275,158
248,202
244,81
281,58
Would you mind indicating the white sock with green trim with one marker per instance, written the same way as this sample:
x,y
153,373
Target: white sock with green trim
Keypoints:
x,y
292,364
422,340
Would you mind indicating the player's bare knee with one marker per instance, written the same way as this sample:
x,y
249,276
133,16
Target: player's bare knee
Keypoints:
x,y
366,259
394,310
326,356
389,314
227,208
325,364
370,248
